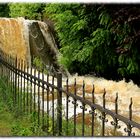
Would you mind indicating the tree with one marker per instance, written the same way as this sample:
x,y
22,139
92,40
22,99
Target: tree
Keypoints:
x,y
98,38
4,10
27,10
82,37
126,20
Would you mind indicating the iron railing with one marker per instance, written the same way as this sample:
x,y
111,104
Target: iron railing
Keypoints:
x,y
69,113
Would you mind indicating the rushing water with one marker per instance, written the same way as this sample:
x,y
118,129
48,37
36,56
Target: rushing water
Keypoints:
x,y
125,92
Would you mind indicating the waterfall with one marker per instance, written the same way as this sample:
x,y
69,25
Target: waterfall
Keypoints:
x,y
27,38
14,38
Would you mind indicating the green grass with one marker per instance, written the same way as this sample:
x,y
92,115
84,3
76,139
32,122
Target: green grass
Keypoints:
x,y
14,122
6,120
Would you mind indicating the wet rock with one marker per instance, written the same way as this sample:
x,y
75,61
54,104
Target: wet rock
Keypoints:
x,y
42,43
28,38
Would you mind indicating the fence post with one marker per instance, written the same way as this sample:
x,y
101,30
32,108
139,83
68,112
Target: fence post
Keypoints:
x,y
15,80
59,103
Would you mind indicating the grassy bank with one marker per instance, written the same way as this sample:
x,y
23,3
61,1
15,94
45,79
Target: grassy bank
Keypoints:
x,y
16,122
12,121
12,124
6,120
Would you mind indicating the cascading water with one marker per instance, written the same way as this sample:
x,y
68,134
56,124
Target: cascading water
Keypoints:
x,y
26,38
14,38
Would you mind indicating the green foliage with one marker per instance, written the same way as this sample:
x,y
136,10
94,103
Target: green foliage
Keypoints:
x,y
90,40
37,62
105,19
20,124
18,130
27,10
66,30
83,33
28,126
4,10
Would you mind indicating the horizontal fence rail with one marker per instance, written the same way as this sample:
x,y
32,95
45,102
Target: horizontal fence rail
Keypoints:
x,y
60,111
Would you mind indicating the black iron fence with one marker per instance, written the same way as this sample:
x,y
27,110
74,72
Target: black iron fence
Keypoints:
x,y
60,110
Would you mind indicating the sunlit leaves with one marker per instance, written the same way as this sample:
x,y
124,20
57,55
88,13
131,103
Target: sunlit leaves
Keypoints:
x,y
27,10
105,19
103,35
79,25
